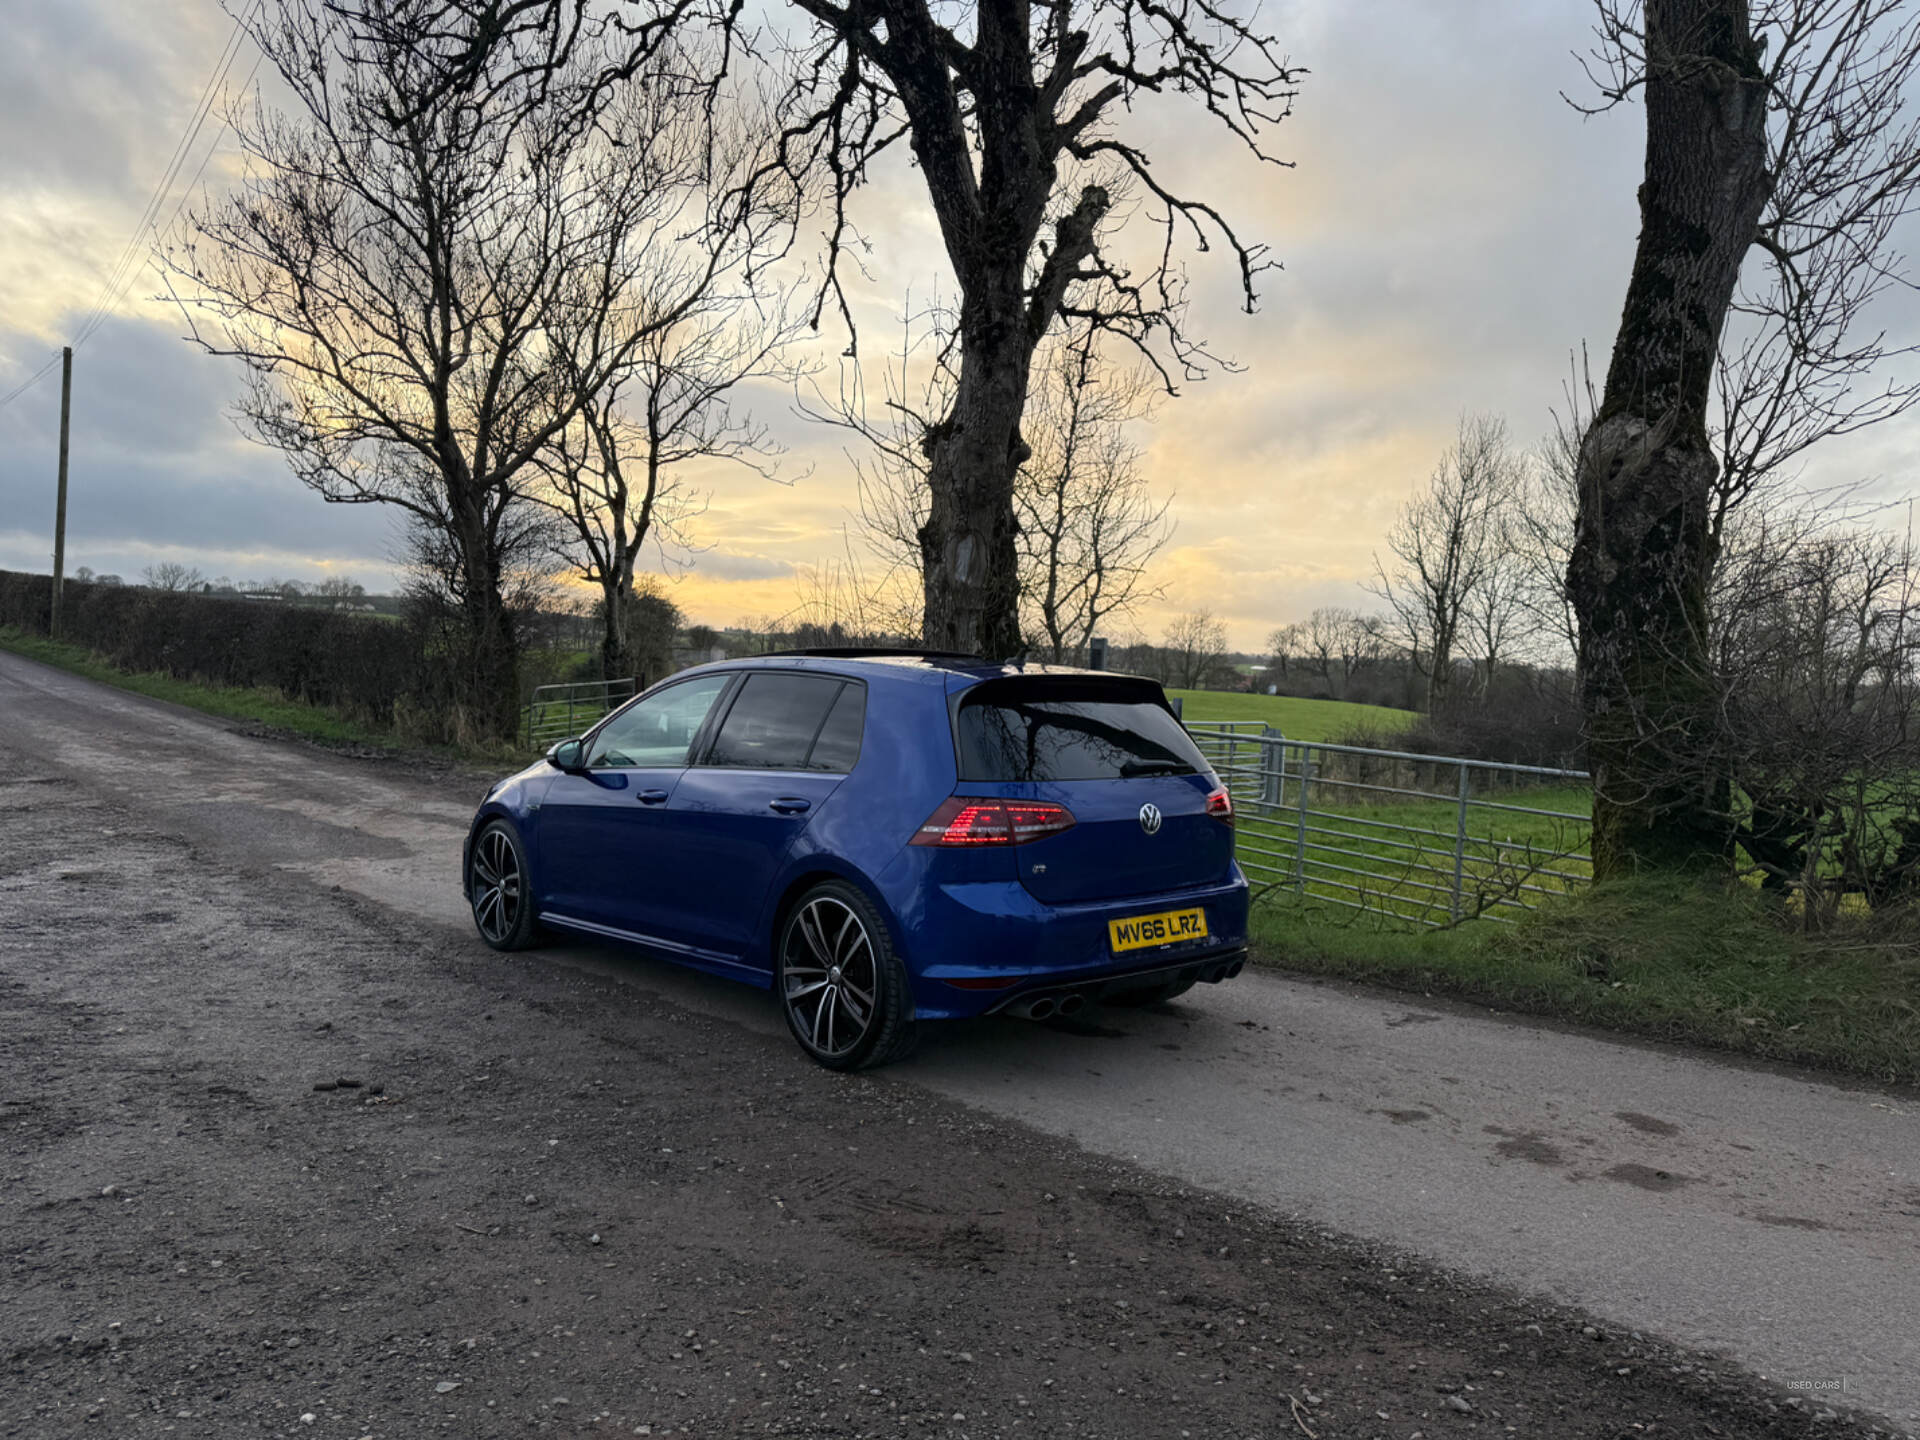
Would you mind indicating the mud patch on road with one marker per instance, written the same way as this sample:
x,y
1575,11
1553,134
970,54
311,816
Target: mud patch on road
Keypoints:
x,y
1405,1117
1793,1222
1528,1145
237,824
1647,1124
1645,1177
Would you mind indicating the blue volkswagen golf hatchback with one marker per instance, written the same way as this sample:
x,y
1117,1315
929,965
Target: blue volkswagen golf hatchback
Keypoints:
x,y
882,839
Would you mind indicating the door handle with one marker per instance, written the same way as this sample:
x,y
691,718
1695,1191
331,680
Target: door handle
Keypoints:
x,y
652,797
791,805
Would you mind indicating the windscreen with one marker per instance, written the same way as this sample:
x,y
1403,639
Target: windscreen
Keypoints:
x,y
1059,729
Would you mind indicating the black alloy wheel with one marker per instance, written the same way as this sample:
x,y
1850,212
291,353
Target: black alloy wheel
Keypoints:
x,y
497,888
844,991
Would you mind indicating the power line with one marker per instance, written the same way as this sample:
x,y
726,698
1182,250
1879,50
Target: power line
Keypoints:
x,y
31,381
124,269
187,194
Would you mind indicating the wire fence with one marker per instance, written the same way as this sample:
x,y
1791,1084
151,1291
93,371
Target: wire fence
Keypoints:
x,y
560,712
1425,840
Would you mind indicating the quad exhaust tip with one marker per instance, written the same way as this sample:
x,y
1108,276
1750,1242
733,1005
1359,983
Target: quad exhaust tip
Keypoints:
x,y
1072,1004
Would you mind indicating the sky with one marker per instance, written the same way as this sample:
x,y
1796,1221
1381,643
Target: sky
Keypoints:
x,y
1450,232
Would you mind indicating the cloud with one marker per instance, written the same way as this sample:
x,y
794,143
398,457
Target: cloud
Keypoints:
x,y
156,470
1450,230
720,565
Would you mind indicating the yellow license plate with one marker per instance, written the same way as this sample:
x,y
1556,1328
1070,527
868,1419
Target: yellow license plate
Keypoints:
x,y
1168,928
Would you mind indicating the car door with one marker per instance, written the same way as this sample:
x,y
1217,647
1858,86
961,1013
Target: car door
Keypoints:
x,y
786,743
605,843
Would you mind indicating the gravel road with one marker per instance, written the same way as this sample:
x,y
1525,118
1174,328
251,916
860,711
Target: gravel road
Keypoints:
x,y
575,1193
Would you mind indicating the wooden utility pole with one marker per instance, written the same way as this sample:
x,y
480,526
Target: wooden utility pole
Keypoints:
x,y
60,505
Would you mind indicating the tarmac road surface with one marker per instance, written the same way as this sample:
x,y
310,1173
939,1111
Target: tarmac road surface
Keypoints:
x,y
1768,1216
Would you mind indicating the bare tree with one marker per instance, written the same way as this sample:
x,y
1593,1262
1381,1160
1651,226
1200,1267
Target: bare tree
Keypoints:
x,y
420,284
1317,645
172,575
1013,122
1017,116
1365,646
1498,621
837,604
340,588
1283,649
1776,124
616,473
1445,544
690,330
1089,526
1822,721
1195,644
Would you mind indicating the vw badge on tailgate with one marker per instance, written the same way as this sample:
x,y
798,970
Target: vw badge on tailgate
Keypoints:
x,y
1150,819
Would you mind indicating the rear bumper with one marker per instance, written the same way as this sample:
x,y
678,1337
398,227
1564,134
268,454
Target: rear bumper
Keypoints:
x,y
980,948
1210,969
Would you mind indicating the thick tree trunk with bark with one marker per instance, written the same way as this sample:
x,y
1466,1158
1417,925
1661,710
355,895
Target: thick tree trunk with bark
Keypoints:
x,y
617,658
969,552
1642,548
493,651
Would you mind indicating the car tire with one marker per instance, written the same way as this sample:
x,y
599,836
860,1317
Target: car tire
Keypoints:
x,y
841,985
1146,995
499,891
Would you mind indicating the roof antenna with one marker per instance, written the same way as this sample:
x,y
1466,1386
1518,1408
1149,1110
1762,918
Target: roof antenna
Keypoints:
x,y
1018,660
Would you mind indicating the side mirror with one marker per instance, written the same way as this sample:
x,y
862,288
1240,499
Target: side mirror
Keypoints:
x,y
569,756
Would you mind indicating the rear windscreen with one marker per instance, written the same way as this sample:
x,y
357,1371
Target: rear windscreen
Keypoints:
x,y
1069,730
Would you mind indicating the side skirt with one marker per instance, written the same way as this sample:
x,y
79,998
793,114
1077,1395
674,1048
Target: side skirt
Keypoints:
x,y
692,956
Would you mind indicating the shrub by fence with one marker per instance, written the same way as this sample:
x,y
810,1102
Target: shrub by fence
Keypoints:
x,y
364,666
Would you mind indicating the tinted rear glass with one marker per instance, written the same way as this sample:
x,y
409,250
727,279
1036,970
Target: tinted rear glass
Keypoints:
x,y
773,723
1073,731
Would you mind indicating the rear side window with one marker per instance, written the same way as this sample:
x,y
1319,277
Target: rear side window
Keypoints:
x,y
1064,729
839,744
778,722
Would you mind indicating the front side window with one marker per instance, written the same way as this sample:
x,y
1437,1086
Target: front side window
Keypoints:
x,y
777,719
659,731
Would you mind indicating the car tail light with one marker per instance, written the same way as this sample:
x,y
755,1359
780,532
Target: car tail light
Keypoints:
x,y
965,822
1220,805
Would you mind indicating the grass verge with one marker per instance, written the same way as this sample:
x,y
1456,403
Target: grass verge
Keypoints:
x,y
263,707
1665,959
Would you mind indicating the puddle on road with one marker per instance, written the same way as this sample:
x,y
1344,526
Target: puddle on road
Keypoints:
x,y
1413,1017
1528,1145
1645,1177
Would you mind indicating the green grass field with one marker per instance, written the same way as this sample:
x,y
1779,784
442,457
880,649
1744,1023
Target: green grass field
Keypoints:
x,y
1353,857
1295,718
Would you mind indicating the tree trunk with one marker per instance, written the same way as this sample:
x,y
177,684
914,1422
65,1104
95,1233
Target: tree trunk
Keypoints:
x,y
969,545
493,659
1440,678
1642,550
616,643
